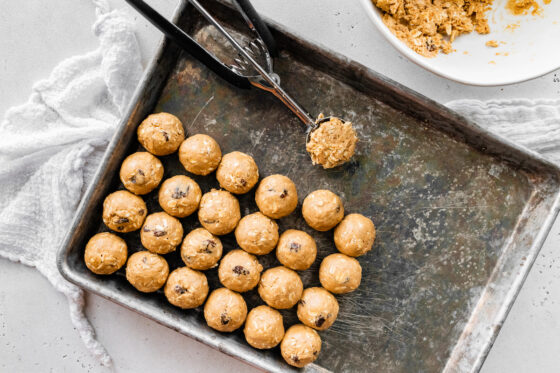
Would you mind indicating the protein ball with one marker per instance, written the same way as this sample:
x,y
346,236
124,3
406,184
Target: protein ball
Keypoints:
x,y
141,172
296,250
200,154
146,271
239,271
332,143
257,234
219,212
186,288
301,345
161,133
179,196
161,233
201,249
276,196
317,308
280,287
354,235
237,172
340,273
225,310
105,253
123,211
322,210
264,327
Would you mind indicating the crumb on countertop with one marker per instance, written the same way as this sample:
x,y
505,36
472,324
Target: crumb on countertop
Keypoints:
x,y
492,43
521,7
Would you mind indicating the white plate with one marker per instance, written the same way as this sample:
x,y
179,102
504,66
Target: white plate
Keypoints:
x,y
530,50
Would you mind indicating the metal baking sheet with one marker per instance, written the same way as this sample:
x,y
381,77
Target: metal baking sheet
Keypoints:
x,y
460,213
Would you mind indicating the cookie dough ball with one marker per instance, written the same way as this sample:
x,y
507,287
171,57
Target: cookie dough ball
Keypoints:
x,y
186,288
340,274
276,196
161,133
317,308
296,250
123,211
264,327
280,287
201,249
200,154
219,212
301,345
141,172
237,172
257,234
239,271
105,253
354,235
146,271
225,310
322,210
161,233
179,196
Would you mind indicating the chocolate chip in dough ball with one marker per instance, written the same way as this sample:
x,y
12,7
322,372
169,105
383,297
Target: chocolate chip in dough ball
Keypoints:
x,y
123,211
322,210
161,233
276,196
237,172
186,288
161,133
340,273
105,253
141,172
219,212
179,196
317,308
201,250
200,154
296,250
354,235
146,271
239,271
301,345
257,234
264,327
280,287
225,310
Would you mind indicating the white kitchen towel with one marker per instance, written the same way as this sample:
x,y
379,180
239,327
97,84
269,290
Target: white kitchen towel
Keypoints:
x,y
51,146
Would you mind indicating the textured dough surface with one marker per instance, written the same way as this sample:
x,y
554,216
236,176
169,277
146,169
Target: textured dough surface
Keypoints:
x,y
146,271
264,327
332,144
237,172
161,233
186,288
201,250
200,154
296,250
276,196
257,234
141,172
317,308
355,234
105,253
161,133
179,196
322,210
219,212
301,345
239,271
225,310
340,273
123,211
280,287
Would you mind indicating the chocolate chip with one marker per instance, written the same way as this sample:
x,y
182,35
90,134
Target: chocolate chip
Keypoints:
x,y
284,194
239,270
320,321
295,358
209,221
224,318
146,229
144,260
179,289
159,233
178,193
122,220
140,172
207,245
302,302
315,353
243,182
338,208
133,179
141,211
294,246
166,135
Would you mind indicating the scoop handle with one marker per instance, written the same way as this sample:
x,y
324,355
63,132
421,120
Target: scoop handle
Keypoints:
x,y
255,22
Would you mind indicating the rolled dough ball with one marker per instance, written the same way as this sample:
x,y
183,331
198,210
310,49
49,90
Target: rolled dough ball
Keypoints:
x,y
123,211
141,172
340,273
219,212
179,196
186,288
146,271
280,287
322,210
161,233
201,249
354,235
276,196
105,253
239,271
225,310
296,249
200,154
161,133
264,327
317,308
237,172
257,234
301,345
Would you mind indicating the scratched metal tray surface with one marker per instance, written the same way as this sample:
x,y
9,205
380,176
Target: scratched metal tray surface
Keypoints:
x,y
460,214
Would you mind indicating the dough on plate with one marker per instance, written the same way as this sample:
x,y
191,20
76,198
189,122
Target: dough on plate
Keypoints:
x,y
322,210
161,233
105,253
141,172
146,271
200,154
201,250
237,172
225,310
301,345
280,287
354,235
296,250
257,234
179,196
264,327
317,308
340,273
186,288
276,196
161,133
219,212
123,211
239,271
